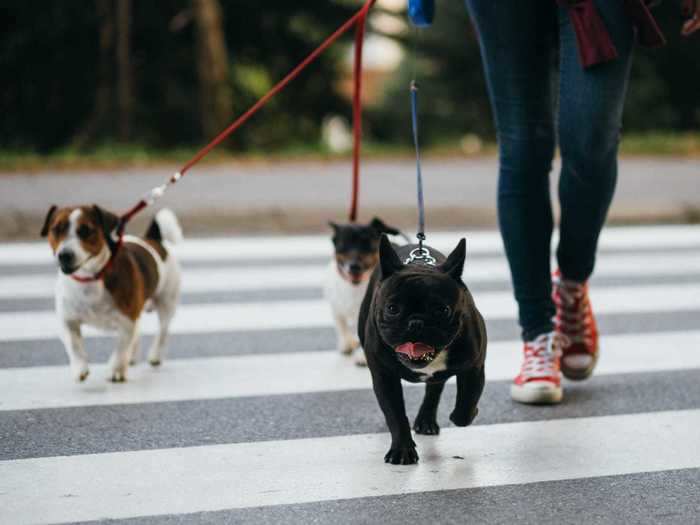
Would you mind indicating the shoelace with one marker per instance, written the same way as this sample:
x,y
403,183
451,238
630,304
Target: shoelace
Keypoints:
x,y
542,355
572,319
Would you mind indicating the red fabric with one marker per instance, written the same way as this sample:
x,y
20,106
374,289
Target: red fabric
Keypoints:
x,y
594,43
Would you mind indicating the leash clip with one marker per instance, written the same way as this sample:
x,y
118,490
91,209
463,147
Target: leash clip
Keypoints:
x,y
421,256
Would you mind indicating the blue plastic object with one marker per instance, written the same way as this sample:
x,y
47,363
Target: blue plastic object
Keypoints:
x,y
421,12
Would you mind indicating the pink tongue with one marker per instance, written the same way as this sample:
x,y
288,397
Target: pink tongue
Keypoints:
x,y
414,350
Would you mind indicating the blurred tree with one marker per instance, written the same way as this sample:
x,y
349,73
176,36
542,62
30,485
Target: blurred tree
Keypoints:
x,y
212,67
61,66
125,102
94,70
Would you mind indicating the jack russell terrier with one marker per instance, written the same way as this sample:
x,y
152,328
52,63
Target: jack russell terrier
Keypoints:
x,y
356,254
108,286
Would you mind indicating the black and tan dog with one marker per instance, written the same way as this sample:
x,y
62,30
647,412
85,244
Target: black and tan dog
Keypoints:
x,y
418,322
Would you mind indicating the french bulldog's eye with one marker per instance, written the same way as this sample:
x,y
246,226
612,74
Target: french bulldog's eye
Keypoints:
x,y
393,309
84,231
443,311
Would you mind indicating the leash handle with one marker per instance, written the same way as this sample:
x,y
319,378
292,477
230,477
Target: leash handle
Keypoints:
x,y
419,176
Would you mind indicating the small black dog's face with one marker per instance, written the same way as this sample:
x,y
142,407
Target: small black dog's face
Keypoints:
x,y
419,308
357,248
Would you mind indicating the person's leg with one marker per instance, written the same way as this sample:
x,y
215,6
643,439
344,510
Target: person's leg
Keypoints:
x,y
590,119
518,46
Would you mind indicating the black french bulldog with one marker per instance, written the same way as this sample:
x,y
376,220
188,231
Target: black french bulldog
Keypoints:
x,y
418,322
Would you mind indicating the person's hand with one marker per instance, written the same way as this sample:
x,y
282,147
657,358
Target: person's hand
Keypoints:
x,y
691,9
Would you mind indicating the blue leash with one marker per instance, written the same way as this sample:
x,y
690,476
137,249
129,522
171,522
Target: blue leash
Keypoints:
x,y
419,175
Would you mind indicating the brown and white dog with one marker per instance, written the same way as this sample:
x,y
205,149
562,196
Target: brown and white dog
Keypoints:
x,y
108,286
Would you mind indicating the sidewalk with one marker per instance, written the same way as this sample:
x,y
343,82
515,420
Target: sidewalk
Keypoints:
x,y
302,196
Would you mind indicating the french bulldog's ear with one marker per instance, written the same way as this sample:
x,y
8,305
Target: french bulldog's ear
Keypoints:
x,y
107,221
389,261
454,265
47,220
382,227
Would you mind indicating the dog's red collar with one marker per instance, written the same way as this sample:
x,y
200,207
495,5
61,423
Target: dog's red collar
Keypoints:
x,y
99,275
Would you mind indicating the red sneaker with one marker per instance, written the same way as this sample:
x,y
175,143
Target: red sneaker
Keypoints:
x,y
539,380
575,320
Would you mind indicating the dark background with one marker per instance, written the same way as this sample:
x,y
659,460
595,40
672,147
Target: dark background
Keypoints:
x,y
64,77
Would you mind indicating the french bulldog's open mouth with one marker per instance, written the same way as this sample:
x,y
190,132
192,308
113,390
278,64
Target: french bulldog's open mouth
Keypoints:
x,y
416,353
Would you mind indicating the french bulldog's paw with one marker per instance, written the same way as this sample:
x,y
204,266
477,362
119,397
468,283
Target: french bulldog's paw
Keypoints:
x,y
427,426
463,419
80,373
402,455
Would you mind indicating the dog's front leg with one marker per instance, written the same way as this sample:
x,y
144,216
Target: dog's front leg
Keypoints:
x,y
73,342
426,420
119,362
346,340
470,385
389,394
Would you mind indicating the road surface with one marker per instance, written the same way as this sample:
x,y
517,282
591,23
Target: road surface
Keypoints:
x,y
302,196
254,419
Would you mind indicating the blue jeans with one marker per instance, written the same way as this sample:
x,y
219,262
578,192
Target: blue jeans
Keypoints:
x,y
539,93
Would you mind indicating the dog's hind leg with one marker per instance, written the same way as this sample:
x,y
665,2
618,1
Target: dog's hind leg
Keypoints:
x,y
166,312
73,341
426,420
119,361
470,385
135,352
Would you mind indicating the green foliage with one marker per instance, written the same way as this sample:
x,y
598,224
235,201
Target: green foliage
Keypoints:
x,y
49,56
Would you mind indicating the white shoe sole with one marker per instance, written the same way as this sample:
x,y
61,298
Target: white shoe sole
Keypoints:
x,y
576,373
536,393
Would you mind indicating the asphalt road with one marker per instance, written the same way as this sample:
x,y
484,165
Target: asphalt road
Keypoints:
x,y
253,419
302,196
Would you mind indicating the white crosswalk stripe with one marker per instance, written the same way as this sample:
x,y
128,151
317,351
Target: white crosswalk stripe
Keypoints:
x,y
276,315
125,480
220,278
195,479
298,372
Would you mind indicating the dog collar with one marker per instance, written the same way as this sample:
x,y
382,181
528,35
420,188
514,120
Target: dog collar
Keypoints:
x,y
99,275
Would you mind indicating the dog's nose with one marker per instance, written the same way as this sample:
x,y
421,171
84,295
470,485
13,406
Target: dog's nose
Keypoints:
x,y
66,259
415,326
355,268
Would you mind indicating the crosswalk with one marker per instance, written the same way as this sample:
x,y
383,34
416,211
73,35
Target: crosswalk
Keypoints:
x,y
254,419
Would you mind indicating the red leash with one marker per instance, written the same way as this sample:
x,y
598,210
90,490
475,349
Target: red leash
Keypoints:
x,y
358,18
357,114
